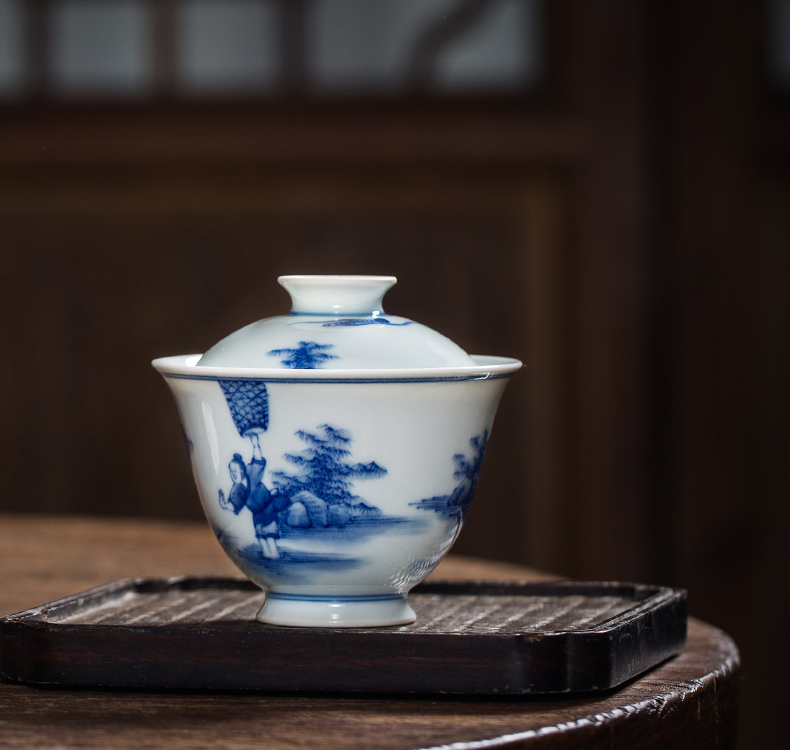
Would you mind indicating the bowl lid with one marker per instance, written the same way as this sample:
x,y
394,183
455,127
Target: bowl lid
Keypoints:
x,y
336,322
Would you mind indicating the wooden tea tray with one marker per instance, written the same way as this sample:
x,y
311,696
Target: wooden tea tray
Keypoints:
x,y
469,638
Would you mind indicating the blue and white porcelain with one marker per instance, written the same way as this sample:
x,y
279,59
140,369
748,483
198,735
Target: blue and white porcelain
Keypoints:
x,y
336,323
336,450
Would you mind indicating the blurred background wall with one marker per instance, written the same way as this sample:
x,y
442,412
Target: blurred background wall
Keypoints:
x,y
601,189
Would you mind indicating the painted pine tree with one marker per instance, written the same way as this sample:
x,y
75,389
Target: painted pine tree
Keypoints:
x,y
325,467
467,471
309,355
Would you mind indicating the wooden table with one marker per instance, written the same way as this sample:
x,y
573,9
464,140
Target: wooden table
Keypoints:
x,y
688,702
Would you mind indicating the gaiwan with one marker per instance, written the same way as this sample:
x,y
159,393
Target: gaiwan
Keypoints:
x,y
336,449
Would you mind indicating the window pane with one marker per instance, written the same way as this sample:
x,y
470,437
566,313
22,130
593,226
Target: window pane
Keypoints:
x,y
229,46
12,66
384,46
502,52
365,44
100,47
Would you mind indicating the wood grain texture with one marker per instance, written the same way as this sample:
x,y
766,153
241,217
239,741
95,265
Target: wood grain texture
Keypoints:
x,y
688,702
473,638
108,209
239,134
728,479
108,268
464,612
44,558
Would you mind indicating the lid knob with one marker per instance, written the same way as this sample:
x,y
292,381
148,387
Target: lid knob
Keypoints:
x,y
337,295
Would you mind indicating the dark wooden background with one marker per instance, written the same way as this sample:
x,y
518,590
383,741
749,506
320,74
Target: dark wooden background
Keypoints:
x,y
625,232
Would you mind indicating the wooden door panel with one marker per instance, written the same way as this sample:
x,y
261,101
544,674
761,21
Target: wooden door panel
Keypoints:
x,y
125,267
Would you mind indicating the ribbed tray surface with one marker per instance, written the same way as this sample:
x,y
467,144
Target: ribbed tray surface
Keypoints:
x,y
480,638
435,612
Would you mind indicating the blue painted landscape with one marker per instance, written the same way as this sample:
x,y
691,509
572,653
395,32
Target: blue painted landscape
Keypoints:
x,y
315,504
351,322
467,471
309,355
325,469
307,519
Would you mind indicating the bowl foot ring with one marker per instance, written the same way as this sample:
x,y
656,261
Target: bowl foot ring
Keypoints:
x,y
297,610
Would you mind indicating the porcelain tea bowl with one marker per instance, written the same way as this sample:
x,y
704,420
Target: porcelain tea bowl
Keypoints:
x,y
336,450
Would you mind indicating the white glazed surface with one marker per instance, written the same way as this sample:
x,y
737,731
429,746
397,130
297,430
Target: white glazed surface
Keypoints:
x,y
398,343
336,323
414,425
336,449
337,295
